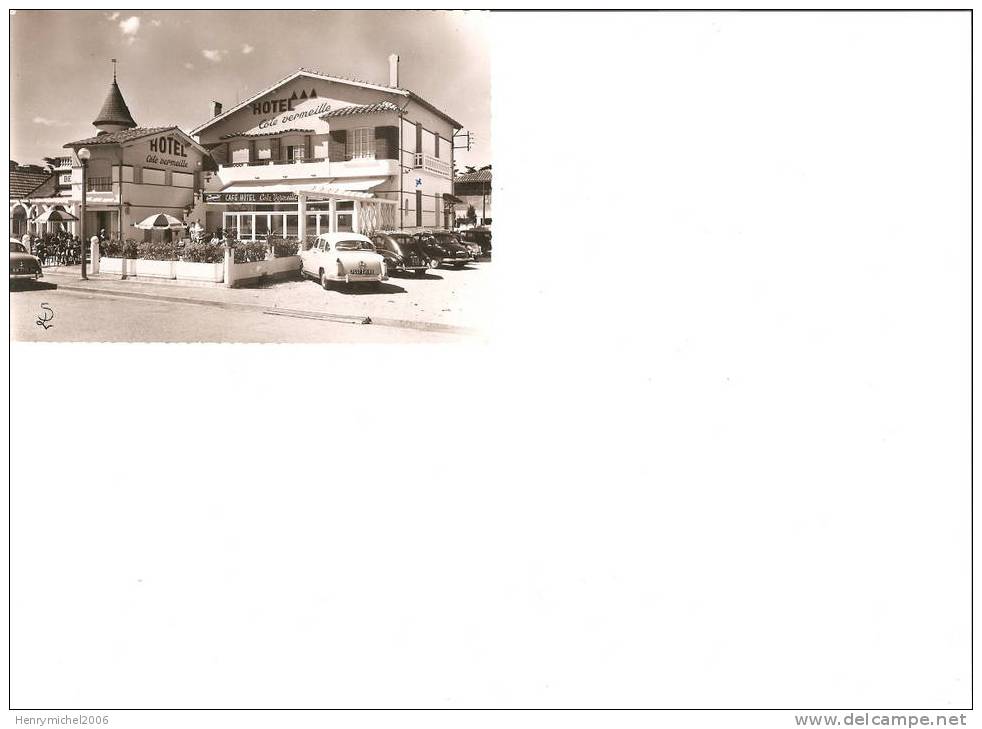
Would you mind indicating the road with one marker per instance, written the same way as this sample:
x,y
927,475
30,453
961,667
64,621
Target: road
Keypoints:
x,y
97,317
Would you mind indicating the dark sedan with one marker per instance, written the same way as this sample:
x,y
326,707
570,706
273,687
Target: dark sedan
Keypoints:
x,y
22,263
442,245
401,252
481,236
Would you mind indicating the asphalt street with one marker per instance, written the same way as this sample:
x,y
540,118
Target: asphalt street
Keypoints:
x,y
445,305
72,316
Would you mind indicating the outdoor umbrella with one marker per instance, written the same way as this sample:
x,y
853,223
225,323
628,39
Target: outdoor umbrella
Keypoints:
x,y
57,214
161,221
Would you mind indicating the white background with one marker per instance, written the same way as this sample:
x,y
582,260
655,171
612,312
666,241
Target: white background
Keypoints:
x,y
717,455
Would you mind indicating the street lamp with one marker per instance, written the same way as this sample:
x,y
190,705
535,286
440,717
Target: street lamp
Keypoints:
x,y
83,157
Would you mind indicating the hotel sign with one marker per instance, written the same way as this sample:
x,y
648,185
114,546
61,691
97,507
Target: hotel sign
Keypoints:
x,y
295,112
167,151
250,197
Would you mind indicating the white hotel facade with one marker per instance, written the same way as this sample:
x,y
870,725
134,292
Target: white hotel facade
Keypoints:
x,y
315,153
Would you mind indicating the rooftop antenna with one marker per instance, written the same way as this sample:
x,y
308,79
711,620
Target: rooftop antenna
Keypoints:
x,y
114,69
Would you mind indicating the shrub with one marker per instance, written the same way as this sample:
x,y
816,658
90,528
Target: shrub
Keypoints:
x,y
115,248
247,251
283,247
112,248
156,250
309,242
203,252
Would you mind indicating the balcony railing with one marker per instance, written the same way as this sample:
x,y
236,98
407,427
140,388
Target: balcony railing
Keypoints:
x,y
99,184
263,162
428,163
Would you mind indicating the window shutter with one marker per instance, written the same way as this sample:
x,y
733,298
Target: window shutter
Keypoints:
x,y
274,149
337,146
436,146
419,208
306,147
386,142
419,136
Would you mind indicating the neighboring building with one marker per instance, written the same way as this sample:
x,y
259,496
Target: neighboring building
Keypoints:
x,y
315,153
26,183
473,189
134,172
62,168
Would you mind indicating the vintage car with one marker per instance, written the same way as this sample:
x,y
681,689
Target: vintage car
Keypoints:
x,y
479,235
401,252
22,263
472,247
343,257
441,246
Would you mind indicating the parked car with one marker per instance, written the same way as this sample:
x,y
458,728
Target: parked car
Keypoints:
x,y
343,257
401,252
481,236
22,263
442,246
472,246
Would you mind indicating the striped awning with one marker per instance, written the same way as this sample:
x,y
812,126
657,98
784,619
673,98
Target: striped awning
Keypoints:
x,y
336,187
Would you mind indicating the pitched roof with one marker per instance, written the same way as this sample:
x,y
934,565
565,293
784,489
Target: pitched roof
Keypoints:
x,y
22,184
364,109
246,135
114,109
336,79
479,176
127,135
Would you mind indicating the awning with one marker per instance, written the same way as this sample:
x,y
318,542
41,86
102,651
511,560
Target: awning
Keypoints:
x,y
447,197
348,188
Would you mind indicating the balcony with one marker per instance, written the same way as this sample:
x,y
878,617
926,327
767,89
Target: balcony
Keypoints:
x,y
99,184
266,170
429,163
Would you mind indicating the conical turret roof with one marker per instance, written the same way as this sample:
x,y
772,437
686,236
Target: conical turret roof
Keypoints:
x,y
114,109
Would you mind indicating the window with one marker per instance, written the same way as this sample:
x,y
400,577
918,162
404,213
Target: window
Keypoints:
x,y
361,143
436,146
295,152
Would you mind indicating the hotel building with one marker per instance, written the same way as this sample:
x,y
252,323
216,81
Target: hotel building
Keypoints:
x,y
315,153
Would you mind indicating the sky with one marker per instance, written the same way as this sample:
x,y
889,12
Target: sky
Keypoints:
x,y
173,64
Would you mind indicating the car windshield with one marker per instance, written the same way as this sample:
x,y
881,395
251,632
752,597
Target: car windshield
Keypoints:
x,y
444,238
17,248
400,238
353,245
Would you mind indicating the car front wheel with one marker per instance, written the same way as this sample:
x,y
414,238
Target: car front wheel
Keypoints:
x,y
324,284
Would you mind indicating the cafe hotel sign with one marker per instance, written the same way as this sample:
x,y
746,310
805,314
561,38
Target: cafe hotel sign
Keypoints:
x,y
167,151
250,197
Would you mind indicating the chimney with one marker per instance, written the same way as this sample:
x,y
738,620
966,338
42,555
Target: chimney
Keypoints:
x,y
394,71
216,108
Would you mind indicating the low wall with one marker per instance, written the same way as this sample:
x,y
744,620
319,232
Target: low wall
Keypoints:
x,y
180,270
245,274
232,274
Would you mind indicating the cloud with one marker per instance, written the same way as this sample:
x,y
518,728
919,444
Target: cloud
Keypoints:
x,y
112,17
130,27
189,66
155,23
214,56
48,122
246,48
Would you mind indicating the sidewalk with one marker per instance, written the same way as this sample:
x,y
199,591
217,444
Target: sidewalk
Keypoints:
x,y
437,303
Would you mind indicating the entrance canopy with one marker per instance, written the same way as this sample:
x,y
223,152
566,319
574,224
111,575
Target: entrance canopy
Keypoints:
x,y
335,187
